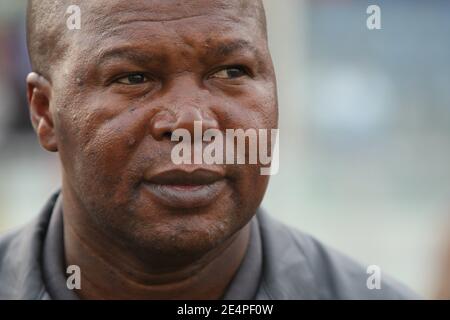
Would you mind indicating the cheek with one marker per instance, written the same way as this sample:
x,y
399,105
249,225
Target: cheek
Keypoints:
x,y
97,149
254,108
266,106
257,109
253,185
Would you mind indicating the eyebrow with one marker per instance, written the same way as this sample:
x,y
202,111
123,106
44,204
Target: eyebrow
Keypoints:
x,y
130,54
224,49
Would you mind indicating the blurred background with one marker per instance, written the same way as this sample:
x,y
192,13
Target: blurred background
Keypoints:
x,y
364,138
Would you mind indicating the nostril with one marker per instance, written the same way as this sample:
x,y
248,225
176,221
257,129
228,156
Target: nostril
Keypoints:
x,y
162,124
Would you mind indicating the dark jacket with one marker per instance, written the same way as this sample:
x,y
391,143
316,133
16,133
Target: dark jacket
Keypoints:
x,y
295,265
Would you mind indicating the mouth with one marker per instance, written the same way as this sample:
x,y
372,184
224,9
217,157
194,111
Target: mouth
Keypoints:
x,y
185,189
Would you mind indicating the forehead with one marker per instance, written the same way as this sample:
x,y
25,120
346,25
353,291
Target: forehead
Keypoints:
x,y
168,21
165,10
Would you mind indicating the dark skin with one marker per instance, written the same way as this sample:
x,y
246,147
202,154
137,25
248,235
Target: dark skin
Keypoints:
x,y
131,76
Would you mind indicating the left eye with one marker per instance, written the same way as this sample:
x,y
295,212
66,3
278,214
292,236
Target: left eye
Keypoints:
x,y
133,79
230,73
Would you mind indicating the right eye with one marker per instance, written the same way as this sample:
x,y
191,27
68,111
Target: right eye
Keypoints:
x,y
133,79
229,73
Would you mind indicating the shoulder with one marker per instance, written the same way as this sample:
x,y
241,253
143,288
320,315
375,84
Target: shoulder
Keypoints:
x,y
298,266
20,254
14,245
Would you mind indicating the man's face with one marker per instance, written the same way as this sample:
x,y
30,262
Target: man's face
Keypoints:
x,y
136,71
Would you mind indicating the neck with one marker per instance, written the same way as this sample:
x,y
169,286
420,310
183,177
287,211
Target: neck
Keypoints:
x,y
110,271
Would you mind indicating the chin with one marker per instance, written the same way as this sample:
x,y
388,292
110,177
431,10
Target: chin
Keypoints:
x,y
183,232
191,238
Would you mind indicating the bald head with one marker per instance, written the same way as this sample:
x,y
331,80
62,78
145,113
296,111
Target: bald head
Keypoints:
x,y
48,37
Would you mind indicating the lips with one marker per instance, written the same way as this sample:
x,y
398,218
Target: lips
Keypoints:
x,y
178,177
185,189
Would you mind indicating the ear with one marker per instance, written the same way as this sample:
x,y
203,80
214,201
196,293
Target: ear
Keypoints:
x,y
39,97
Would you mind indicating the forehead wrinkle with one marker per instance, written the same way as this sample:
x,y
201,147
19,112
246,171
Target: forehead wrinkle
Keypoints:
x,y
221,45
133,26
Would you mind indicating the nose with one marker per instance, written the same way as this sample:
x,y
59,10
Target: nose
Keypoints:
x,y
165,123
